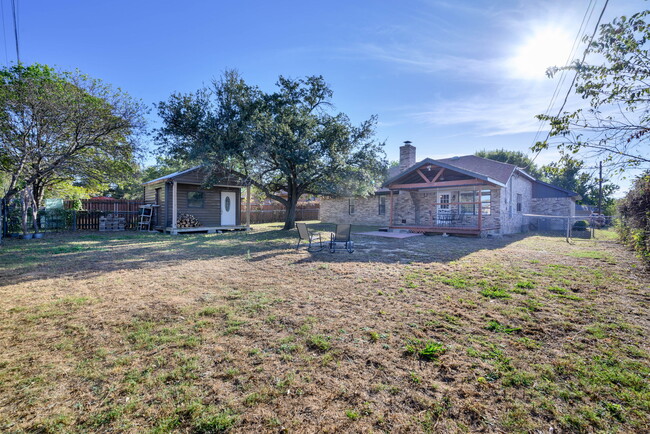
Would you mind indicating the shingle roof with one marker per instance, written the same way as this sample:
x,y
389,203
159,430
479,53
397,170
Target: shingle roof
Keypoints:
x,y
490,168
171,175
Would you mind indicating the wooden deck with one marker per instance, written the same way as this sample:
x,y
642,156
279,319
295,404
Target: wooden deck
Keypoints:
x,y
204,229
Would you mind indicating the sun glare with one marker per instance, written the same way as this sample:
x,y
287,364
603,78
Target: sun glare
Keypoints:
x,y
545,47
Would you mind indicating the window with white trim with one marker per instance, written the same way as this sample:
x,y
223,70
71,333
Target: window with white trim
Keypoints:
x,y
443,200
486,196
466,199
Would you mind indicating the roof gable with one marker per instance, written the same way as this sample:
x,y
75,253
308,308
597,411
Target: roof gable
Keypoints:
x,y
414,172
197,176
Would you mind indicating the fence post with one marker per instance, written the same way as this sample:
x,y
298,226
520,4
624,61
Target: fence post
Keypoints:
x,y
74,219
568,226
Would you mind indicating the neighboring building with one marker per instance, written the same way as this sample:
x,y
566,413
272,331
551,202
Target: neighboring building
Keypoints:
x,y
462,195
586,210
216,208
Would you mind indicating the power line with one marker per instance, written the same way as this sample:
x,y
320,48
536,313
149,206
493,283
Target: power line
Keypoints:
x,y
4,34
575,76
585,19
14,10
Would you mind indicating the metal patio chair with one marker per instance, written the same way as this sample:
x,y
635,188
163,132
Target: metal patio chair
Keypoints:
x,y
310,237
340,239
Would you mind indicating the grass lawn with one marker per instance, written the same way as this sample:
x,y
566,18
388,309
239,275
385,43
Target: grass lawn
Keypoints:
x,y
238,331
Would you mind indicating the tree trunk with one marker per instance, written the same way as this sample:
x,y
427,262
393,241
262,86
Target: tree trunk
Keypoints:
x,y
24,206
290,216
34,204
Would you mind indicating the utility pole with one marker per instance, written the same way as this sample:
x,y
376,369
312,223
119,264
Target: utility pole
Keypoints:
x,y
599,218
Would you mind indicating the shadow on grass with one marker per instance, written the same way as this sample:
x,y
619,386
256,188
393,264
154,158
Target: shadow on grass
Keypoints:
x,y
93,253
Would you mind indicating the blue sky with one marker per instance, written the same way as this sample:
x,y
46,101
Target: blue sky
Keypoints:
x,y
451,76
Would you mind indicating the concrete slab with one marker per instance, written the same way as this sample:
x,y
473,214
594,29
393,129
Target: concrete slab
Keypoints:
x,y
388,234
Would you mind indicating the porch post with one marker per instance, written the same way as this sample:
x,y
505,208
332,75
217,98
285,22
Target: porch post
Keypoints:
x,y
390,223
480,210
248,206
174,204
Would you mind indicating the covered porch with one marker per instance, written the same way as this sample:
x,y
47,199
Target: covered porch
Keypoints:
x,y
432,198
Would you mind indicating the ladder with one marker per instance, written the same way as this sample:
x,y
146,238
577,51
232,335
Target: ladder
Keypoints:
x,y
146,214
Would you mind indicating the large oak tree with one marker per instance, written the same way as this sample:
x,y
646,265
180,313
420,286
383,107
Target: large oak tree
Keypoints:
x,y
287,143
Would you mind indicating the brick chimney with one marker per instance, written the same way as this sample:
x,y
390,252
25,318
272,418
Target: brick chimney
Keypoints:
x,y
406,156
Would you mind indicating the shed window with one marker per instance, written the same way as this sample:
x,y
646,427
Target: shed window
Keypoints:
x,y
382,205
486,196
195,199
519,202
351,206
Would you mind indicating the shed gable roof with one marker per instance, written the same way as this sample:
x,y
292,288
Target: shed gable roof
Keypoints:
x,y
197,176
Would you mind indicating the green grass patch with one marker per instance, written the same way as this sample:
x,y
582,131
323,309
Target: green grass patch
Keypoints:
x,y
497,327
319,342
495,292
426,350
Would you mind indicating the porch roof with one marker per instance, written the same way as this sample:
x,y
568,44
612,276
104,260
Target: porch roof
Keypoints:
x,y
444,164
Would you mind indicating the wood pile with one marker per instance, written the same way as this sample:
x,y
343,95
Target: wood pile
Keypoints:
x,y
111,223
187,221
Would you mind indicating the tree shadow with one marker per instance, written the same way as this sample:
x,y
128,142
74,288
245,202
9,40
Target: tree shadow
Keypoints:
x,y
88,254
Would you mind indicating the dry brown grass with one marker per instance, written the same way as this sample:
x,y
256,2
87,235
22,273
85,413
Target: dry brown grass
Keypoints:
x,y
209,333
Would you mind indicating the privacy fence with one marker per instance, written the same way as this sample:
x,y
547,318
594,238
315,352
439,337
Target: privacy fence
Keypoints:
x,y
85,214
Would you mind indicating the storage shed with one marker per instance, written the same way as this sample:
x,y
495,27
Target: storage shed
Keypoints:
x,y
217,208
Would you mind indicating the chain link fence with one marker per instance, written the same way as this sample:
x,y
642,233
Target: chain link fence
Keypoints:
x,y
567,226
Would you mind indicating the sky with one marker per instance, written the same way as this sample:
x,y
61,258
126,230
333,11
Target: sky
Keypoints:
x,y
451,76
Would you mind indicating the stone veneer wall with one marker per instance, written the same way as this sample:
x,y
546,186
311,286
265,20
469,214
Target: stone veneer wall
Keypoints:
x,y
558,206
513,221
366,211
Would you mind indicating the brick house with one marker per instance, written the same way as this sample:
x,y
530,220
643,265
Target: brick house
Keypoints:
x,y
459,195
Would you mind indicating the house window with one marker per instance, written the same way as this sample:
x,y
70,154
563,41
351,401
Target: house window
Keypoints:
x,y
195,199
519,202
466,199
382,205
443,199
351,206
486,196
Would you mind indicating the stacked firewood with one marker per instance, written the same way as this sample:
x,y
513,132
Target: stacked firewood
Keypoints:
x,y
187,221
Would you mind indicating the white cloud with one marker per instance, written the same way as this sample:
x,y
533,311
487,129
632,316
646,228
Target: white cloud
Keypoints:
x,y
487,114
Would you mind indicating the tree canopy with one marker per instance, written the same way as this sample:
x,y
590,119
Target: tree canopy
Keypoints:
x,y
615,126
60,126
286,143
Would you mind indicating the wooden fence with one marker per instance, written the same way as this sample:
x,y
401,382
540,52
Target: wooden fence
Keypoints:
x,y
275,212
88,217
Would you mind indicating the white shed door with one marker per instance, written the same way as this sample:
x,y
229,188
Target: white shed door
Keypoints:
x,y
228,208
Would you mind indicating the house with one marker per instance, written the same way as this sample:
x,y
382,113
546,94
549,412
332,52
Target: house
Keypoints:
x,y
459,195
184,192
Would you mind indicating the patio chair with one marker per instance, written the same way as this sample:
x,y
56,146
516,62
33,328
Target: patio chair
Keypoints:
x,y
340,239
309,237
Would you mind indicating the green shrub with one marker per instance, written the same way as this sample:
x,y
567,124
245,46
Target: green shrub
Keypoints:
x,y
581,225
634,227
